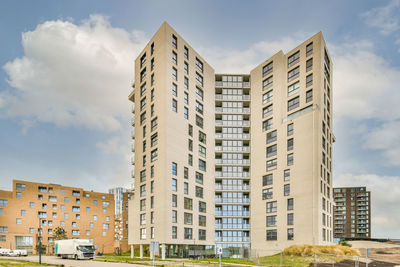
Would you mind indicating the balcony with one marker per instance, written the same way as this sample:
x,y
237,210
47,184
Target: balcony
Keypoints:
x,y
232,213
232,123
220,187
244,200
232,162
133,121
133,147
232,175
232,148
133,160
232,136
232,97
220,226
133,134
232,110
220,84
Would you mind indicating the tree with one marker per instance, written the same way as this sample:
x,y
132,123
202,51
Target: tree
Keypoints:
x,y
59,233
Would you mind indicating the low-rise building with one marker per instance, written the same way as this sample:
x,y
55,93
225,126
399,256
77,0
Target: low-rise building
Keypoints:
x,y
352,213
34,210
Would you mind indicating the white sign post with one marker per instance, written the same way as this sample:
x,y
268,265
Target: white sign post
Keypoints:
x,y
154,248
219,252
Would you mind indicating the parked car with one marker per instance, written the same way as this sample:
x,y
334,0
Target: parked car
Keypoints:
x,y
4,251
13,253
21,252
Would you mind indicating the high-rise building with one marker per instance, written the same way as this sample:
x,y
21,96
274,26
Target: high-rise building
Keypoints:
x,y
239,161
34,210
352,213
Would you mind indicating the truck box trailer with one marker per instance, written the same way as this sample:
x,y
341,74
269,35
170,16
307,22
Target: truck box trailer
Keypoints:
x,y
74,248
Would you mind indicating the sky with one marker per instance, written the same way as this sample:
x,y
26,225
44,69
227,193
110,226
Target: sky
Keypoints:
x,y
66,69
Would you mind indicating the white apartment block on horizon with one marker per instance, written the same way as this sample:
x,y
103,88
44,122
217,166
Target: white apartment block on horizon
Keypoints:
x,y
238,161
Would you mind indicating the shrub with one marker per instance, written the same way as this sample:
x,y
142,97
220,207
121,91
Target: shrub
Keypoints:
x,y
308,250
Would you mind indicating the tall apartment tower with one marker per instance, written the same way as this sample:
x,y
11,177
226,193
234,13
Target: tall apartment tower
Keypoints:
x,y
174,147
238,161
352,213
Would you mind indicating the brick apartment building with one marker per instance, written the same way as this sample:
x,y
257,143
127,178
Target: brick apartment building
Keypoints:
x,y
83,214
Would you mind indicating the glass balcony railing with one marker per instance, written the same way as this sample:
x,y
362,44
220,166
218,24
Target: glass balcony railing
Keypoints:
x,y
221,187
220,84
232,97
232,110
232,161
232,148
232,123
232,174
232,136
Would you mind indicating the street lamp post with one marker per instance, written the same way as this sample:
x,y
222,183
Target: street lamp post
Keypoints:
x,y
40,240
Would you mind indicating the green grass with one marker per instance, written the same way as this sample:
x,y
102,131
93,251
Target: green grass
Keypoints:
x,y
15,263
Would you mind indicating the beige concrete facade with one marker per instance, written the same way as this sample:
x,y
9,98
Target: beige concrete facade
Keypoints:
x,y
248,171
174,145
83,214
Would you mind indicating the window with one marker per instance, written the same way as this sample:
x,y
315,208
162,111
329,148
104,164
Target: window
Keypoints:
x,y
142,219
293,59
286,190
293,103
142,205
290,129
272,206
290,234
4,203
202,220
290,219
271,151
199,191
190,144
19,221
272,235
268,97
154,139
309,80
293,89
199,79
286,175
271,221
19,194
95,202
267,69
290,159
143,104
174,185
144,145
202,234
199,65
202,165
76,209
142,118
186,172
143,60
199,121
66,216
202,137
190,159
267,111
190,130
199,93
186,52
186,188
185,97
271,137
23,212
290,204
174,58
293,74
309,96
174,200
154,124
267,125
186,113
188,233
21,187
271,164
188,218
174,216
309,49
142,233
267,193
202,206
188,203
174,74
202,151
174,42
152,95
87,209
186,82
174,105
199,107
174,168
199,178
290,144
143,190
152,64
142,89
267,83
309,64
174,232
1,211
31,204
152,79
267,179
143,75
174,89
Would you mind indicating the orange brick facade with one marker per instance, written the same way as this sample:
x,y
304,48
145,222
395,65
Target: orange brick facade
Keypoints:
x,y
83,214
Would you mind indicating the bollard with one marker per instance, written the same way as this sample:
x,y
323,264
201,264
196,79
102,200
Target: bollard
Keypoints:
x,y
281,260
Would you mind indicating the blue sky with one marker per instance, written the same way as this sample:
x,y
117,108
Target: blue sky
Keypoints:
x,y
67,66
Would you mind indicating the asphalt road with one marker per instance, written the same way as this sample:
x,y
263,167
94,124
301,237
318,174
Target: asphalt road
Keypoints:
x,y
71,262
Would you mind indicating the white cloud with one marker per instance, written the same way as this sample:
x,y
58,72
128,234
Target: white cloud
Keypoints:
x,y
385,18
385,191
73,74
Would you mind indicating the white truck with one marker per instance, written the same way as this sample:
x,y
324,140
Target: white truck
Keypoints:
x,y
75,248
